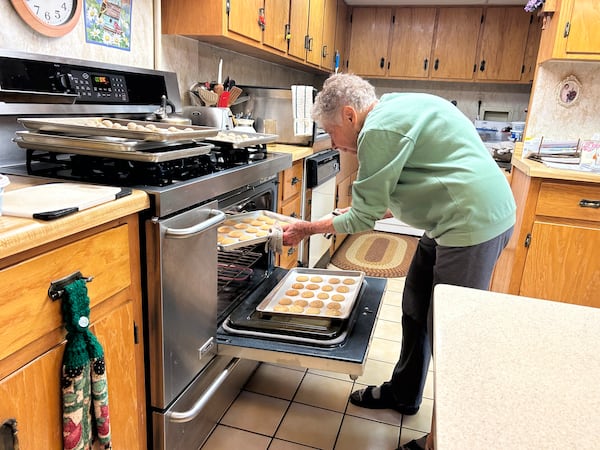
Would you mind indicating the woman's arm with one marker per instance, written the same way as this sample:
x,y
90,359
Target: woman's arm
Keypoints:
x,y
297,231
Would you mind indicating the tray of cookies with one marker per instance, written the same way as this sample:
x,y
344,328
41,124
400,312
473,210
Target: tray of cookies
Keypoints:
x,y
314,292
247,229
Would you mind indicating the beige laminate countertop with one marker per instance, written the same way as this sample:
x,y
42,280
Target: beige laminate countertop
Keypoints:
x,y
19,234
514,372
537,169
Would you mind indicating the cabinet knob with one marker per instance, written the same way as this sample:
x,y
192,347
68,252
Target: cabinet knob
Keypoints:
x,y
294,181
382,63
261,18
436,64
425,62
482,65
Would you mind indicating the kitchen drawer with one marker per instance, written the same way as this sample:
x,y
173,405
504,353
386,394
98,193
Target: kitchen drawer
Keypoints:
x,y
289,256
569,201
28,312
291,183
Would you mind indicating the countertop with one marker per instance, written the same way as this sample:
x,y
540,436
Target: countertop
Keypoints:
x,y
514,372
297,151
19,234
537,169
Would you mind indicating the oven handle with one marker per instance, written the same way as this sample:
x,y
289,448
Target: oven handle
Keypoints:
x,y
192,413
182,233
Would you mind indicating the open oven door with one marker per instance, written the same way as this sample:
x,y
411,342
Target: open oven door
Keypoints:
x,y
347,355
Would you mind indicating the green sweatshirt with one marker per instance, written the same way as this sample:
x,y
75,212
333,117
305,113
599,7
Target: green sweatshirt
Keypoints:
x,y
422,158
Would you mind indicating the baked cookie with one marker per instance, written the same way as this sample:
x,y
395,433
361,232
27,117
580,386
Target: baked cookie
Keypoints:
x,y
302,303
342,289
316,304
322,295
296,309
292,292
262,217
281,308
235,233
301,278
265,227
338,298
229,222
261,233
316,279
334,280
285,301
245,237
313,311
251,230
308,294
334,305
297,286
332,312
312,286
224,229
327,288
349,281
226,240
256,223
241,226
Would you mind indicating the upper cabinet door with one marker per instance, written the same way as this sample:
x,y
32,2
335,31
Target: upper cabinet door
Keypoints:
x,y
341,33
503,44
243,18
412,38
277,20
298,28
531,48
455,48
582,29
329,30
314,43
369,41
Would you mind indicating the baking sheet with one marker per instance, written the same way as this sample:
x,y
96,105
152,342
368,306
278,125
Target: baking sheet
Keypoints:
x,y
242,139
111,147
337,291
91,126
247,229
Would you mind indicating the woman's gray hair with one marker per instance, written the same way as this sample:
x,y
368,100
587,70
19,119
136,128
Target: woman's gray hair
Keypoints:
x,y
341,90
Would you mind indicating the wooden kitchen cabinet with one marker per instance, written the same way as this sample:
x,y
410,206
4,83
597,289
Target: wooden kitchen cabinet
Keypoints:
x,y
571,30
455,47
412,39
532,47
277,22
341,34
33,334
328,48
368,49
503,44
290,204
553,253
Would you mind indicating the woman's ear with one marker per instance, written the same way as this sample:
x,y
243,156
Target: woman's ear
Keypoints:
x,y
349,114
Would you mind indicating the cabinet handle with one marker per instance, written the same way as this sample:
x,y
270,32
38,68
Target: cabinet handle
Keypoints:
x,y
482,65
436,64
291,251
425,62
57,287
324,52
382,63
308,43
261,18
293,214
294,181
286,32
589,203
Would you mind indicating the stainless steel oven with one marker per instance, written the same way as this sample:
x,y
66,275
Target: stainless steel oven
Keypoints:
x,y
195,294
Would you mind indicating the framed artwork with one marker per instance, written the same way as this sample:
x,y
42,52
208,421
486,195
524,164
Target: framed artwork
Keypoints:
x,y
568,91
108,23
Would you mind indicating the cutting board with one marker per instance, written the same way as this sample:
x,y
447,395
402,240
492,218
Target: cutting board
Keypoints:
x,y
54,200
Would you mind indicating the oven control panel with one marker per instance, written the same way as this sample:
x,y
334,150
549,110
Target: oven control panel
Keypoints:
x,y
98,86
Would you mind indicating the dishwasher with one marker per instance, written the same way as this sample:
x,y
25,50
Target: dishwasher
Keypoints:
x,y
320,170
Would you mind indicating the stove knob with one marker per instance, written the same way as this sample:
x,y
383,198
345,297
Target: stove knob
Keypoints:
x,y
64,80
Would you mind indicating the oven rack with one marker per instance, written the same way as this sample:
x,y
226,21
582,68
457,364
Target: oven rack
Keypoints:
x,y
235,266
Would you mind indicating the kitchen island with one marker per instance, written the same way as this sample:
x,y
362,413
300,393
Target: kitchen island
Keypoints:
x,y
514,372
103,243
553,251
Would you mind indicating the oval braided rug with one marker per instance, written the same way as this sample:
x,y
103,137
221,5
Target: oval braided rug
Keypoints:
x,y
378,254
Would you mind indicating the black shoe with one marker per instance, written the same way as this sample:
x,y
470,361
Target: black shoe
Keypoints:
x,y
364,398
415,444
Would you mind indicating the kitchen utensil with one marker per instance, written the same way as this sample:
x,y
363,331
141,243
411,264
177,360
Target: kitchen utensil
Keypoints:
x,y
55,200
209,98
234,93
162,115
223,101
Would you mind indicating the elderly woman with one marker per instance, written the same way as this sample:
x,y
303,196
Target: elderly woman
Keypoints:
x,y
422,161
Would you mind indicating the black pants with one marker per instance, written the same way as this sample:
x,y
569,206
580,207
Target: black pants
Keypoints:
x,y
434,264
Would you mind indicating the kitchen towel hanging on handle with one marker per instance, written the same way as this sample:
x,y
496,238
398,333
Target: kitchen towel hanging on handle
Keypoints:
x,y
83,380
302,103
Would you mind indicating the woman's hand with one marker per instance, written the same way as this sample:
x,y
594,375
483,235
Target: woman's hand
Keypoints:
x,y
294,232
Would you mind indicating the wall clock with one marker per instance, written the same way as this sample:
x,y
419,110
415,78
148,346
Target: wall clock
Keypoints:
x,y
51,18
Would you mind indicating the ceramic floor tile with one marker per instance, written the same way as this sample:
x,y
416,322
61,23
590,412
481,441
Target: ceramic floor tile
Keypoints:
x,y
376,372
357,433
278,444
422,420
307,425
390,312
387,416
384,350
324,392
256,413
276,381
326,373
385,329
395,285
227,437
407,435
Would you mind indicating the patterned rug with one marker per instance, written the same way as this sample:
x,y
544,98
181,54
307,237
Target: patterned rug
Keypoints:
x,y
378,254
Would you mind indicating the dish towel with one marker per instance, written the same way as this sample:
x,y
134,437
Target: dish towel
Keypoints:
x,y
302,103
83,376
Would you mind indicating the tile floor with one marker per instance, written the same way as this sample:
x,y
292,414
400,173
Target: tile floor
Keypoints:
x,y
283,408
